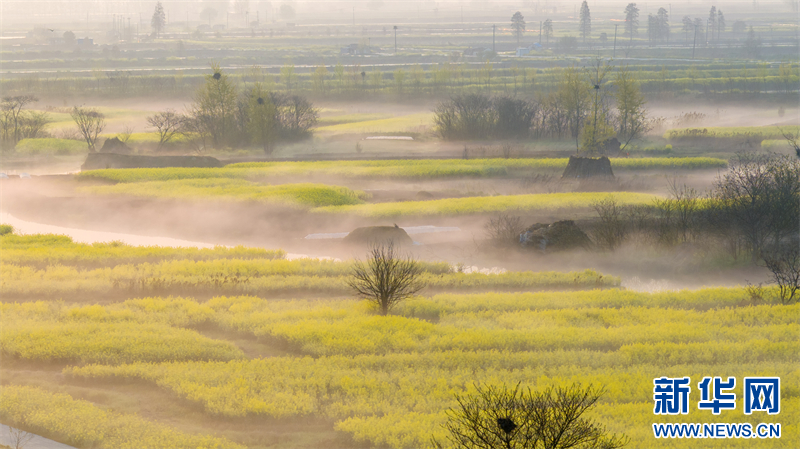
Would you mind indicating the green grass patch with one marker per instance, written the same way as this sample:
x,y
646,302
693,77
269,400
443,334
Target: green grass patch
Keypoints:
x,y
49,145
308,195
350,118
404,123
487,204
731,132
399,169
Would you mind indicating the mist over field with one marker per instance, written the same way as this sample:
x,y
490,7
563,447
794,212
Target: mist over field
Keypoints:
x,y
391,224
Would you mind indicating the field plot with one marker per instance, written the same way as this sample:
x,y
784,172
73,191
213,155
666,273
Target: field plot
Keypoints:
x,y
399,169
489,204
386,380
377,380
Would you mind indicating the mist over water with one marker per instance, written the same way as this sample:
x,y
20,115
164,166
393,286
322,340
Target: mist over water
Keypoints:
x,y
305,224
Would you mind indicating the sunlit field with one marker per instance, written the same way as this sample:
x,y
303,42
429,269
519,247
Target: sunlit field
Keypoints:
x,y
394,225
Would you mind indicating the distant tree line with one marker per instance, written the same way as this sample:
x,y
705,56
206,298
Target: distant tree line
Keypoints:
x,y
591,106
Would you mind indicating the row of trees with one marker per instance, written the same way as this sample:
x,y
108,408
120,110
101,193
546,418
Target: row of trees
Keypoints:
x,y
753,208
224,117
590,105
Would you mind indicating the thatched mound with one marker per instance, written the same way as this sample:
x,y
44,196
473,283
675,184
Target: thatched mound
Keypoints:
x,y
96,161
558,236
114,145
587,167
376,235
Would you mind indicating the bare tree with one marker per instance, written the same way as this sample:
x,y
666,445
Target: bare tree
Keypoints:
x,y
125,135
792,137
167,123
686,204
612,229
32,124
19,437
12,108
784,264
516,418
759,198
90,124
504,229
386,277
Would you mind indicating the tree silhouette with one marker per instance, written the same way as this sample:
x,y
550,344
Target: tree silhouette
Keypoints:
x,y
585,21
159,20
516,418
386,277
518,25
547,28
631,20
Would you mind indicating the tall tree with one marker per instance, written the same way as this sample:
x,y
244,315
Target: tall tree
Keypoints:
x,y
573,97
662,19
632,115
518,25
688,27
596,130
712,20
261,126
215,105
631,20
698,24
752,44
720,24
159,20
547,29
585,21
90,124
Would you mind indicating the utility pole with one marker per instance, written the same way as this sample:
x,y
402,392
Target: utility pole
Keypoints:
x,y
694,43
540,32
354,16
615,41
493,28
395,39
708,22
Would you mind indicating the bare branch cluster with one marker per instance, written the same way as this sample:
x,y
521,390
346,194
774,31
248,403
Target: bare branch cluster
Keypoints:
x,y
90,124
784,264
517,418
386,277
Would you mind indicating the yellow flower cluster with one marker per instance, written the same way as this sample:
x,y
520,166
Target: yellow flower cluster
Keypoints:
x,y
82,424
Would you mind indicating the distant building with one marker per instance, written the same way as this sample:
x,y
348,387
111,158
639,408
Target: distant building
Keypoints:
x,y
524,51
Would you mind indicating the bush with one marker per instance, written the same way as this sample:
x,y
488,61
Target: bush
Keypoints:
x,y
501,417
504,229
6,229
